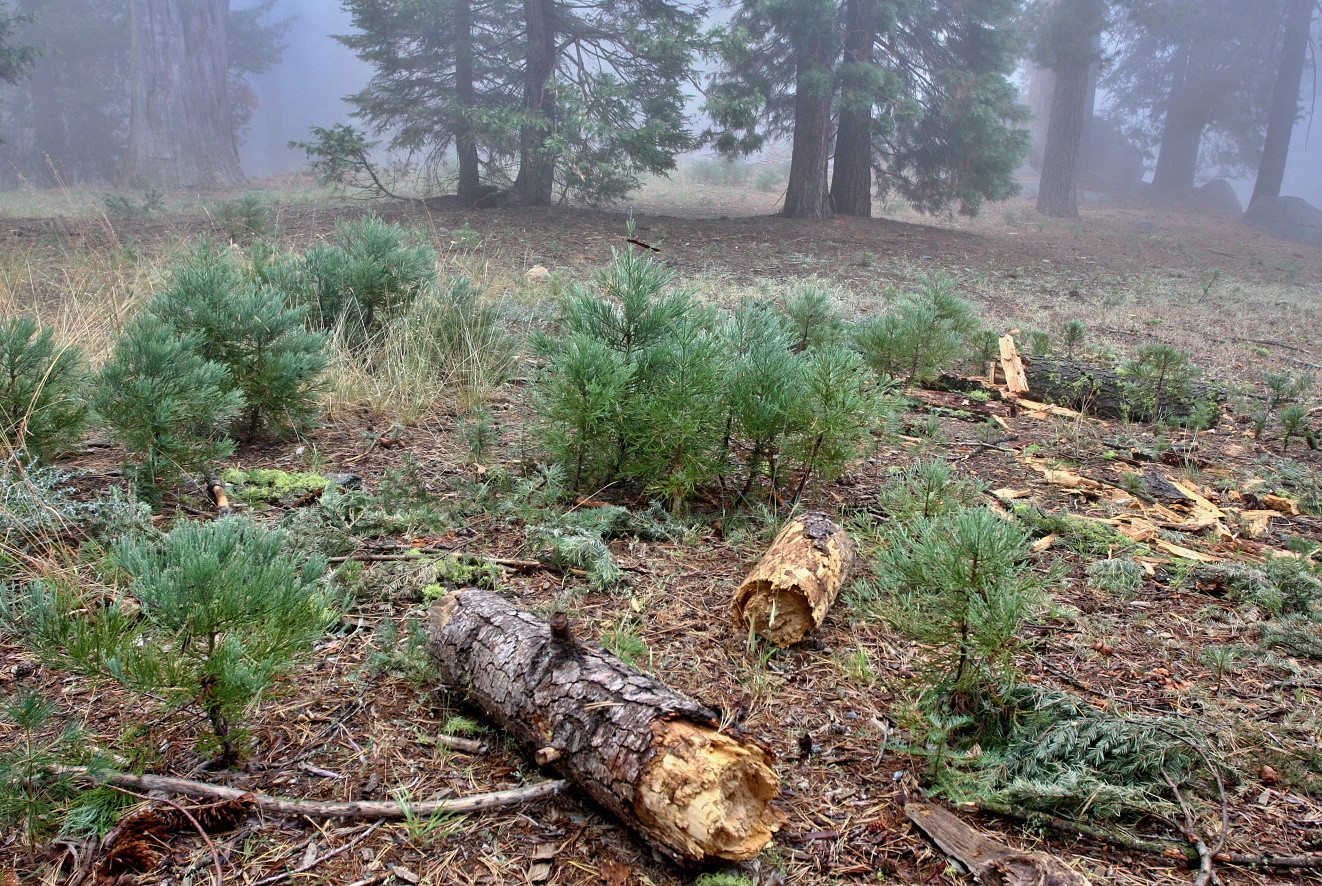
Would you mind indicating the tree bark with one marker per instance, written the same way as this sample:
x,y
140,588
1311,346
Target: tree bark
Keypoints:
x,y
181,132
1182,133
653,758
795,584
1057,194
469,189
1041,88
806,195
536,178
1103,392
851,176
1284,101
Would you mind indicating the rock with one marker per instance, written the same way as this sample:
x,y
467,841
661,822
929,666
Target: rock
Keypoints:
x,y
1217,196
1290,218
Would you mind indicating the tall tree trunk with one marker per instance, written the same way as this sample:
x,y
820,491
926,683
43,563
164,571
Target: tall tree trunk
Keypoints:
x,y
1285,100
1057,194
465,144
806,195
851,177
1041,88
181,132
1182,132
533,185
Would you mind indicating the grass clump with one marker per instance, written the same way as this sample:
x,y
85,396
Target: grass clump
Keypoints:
x,y
214,612
43,407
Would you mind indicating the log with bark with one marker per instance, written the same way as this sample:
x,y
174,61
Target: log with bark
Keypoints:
x,y
1104,392
655,759
794,585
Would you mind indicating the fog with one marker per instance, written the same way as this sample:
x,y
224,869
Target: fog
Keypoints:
x,y
306,89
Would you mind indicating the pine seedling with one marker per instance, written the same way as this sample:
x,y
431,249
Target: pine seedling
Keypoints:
x,y
273,361
579,396
165,403
214,613
1283,389
926,490
923,331
835,413
1072,337
813,319
764,389
959,584
1159,375
1294,423
43,407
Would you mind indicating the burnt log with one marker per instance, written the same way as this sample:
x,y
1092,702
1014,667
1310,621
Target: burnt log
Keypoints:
x,y
1106,393
795,584
656,760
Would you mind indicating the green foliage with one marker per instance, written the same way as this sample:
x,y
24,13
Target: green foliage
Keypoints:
x,y
245,218
624,640
1072,337
268,485
165,403
722,878
647,386
274,363
921,332
35,798
1294,423
814,321
1295,480
1158,376
370,273
43,405
960,584
926,489
1119,576
1086,537
214,613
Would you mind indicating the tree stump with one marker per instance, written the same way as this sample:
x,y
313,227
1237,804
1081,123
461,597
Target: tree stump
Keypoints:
x,y
794,585
655,759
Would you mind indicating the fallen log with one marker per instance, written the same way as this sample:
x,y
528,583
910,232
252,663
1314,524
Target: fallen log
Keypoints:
x,y
655,759
1105,393
990,862
794,585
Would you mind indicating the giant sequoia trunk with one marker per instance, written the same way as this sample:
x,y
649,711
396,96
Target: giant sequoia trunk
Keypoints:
x,y
181,132
806,194
1057,194
851,176
534,184
1284,101
656,760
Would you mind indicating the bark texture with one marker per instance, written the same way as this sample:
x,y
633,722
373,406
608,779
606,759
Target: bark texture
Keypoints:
x,y
851,174
653,758
181,132
1182,132
1284,101
795,584
534,184
1057,194
806,194
1103,392
990,862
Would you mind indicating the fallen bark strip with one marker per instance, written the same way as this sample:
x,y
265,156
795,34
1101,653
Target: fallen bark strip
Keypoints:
x,y
795,584
990,862
655,759
318,809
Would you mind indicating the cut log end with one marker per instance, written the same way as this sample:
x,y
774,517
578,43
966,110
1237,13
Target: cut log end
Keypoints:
x,y
794,586
706,794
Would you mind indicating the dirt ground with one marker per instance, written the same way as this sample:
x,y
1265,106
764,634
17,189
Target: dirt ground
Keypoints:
x,y
348,727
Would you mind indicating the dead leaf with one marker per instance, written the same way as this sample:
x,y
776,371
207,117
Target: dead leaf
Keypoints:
x,y
616,873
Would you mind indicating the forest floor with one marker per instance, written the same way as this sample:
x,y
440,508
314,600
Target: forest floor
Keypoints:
x,y
359,720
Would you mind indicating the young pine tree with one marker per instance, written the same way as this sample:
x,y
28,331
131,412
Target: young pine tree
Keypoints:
x,y
165,403
42,405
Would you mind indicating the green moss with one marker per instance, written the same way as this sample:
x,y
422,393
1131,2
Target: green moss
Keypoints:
x,y
269,485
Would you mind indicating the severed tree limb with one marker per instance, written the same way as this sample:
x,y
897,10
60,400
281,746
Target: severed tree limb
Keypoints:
x,y
318,809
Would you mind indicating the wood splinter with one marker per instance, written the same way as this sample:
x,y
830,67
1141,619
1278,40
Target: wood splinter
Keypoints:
x,y
795,584
991,863
653,758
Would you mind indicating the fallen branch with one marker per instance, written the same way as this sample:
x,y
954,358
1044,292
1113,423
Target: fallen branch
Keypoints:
x,y
317,809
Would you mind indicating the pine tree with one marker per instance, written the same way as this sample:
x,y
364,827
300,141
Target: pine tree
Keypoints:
x,y
534,96
1285,99
920,93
